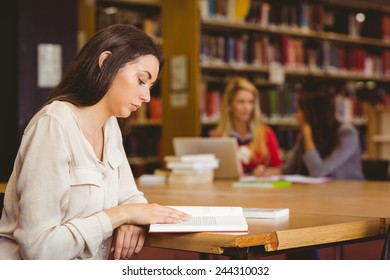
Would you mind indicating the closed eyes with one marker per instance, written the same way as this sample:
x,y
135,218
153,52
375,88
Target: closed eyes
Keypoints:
x,y
141,82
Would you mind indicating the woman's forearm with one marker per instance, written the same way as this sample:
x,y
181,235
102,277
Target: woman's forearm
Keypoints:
x,y
308,138
117,216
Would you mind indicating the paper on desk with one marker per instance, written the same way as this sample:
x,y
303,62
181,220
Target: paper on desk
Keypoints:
x,y
291,178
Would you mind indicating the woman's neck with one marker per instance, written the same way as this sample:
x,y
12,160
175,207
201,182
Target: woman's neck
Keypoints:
x,y
92,118
241,128
91,121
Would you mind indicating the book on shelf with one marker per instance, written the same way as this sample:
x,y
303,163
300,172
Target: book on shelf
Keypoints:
x,y
266,213
385,20
213,104
206,219
155,108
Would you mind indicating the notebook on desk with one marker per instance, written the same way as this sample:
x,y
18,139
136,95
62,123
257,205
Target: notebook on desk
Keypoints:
x,y
225,149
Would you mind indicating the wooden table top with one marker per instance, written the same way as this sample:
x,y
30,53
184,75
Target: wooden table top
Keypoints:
x,y
347,198
321,214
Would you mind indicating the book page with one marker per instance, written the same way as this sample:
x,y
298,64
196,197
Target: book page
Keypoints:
x,y
210,210
206,219
204,224
306,179
251,178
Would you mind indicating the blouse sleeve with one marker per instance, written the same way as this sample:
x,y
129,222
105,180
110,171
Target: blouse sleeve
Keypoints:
x,y
273,148
348,144
43,189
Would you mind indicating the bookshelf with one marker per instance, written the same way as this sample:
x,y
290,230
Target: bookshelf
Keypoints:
x,y
294,40
378,134
142,143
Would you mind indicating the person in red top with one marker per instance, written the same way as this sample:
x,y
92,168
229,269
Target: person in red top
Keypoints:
x,y
241,118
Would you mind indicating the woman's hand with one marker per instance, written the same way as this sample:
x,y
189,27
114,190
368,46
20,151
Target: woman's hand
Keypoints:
x,y
262,171
144,214
128,240
307,137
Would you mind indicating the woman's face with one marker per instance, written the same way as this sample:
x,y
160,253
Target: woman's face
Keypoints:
x,y
131,86
242,105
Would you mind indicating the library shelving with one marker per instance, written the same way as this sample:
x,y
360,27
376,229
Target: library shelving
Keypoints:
x,y
378,134
344,45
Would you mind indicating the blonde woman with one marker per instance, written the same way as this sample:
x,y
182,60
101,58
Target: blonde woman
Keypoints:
x,y
241,119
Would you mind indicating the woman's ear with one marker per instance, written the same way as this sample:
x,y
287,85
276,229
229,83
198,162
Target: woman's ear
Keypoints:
x,y
102,57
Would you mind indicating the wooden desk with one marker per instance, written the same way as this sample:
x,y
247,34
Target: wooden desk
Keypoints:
x,y
321,214
347,198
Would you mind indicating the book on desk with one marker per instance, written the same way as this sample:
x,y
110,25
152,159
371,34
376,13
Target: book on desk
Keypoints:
x,y
206,219
217,219
277,181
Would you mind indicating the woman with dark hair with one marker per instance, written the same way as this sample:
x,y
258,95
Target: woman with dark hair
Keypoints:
x,y
72,188
326,147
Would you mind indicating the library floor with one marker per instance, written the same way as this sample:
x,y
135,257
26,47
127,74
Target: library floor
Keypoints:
x,y
370,250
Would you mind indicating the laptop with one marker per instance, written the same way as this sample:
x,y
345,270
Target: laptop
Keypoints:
x,y
224,148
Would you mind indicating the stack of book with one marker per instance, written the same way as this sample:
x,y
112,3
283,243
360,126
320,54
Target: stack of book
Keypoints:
x,y
191,169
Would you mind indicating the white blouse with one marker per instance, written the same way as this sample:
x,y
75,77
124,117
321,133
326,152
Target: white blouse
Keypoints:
x,y
58,190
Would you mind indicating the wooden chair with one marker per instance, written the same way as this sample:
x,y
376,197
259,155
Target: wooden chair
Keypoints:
x,y
376,169
386,246
373,170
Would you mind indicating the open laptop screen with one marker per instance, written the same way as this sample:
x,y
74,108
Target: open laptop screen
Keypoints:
x,y
224,148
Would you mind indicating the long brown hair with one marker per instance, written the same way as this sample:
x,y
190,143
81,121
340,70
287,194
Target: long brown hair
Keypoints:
x,y
85,83
225,126
318,109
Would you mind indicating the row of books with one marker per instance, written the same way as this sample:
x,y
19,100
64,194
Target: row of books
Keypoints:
x,y
259,49
148,22
307,15
278,104
143,143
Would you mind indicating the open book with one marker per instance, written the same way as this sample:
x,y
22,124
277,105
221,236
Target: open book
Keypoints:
x,y
206,219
